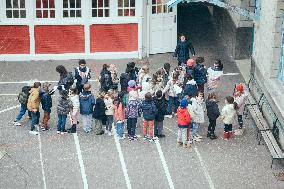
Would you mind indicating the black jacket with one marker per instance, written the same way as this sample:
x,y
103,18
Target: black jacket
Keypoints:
x,y
99,110
161,105
200,74
212,110
182,51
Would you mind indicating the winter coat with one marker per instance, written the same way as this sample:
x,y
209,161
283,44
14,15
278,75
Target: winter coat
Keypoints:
x,y
214,77
87,102
99,110
81,81
212,109
190,88
67,81
109,106
200,74
183,117
105,80
196,110
149,110
161,105
182,51
124,78
228,114
241,102
76,103
132,109
189,71
170,88
34,99
46,102
64,106
119,112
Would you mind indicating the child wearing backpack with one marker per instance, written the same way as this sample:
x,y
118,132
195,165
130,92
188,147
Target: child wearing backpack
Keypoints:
x,y
63,108
23,99
183,118
149,110
82,74
228,115
119,114
132,113
46,103
161,105
105,79
87,102
99,114
33,107
108,100
240,99
213,113
74,97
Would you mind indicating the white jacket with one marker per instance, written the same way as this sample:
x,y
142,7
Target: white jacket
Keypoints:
x,y
76,104
109,106
170,89
228,114
196,110
240,100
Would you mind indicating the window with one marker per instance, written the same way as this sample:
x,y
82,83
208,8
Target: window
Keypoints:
x,y
45,9
159,7
126,7
15,9
72,8
100,8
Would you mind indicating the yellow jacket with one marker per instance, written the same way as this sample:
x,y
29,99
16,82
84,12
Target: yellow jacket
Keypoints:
x,y
34,99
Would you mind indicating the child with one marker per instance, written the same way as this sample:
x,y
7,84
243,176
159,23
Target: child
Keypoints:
x,y
74,97
149,112
99,114
119,114
143,74
87,102
82,74
115,80
190,67
63,108
183,118
132,86
214,75
213,113
105,79
46,103
197,114
240,98
161,105
200,74
108,100
33,107
228,115
23,99
190,87
132,113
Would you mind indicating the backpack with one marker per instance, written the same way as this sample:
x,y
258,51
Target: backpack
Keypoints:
x,y
23,98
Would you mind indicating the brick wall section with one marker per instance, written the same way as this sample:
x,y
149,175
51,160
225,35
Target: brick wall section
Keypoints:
x,y
14,40
114,37
59,39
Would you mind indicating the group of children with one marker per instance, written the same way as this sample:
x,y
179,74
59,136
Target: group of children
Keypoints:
x,y
153,97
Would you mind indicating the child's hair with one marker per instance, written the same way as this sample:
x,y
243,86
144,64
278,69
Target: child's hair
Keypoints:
x,y
167,67
219,64
231,100
212,96
148,96
154,79
62,71
37,84
105,66
87,87
101,95
159,94
200,60
73,90
200,93
119,98
82,61
45,86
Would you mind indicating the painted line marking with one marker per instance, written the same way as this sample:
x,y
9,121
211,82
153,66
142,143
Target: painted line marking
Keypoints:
x,y
41,161
8,109
81,162
26,82
9,94
164,163
206,173
122,162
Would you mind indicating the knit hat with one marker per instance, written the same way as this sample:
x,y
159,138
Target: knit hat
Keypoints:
x,y
133,95
240,88
131,83
190,62
183,103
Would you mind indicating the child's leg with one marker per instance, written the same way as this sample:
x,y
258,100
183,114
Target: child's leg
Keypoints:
x,y
129,126
133,128
194,128
230,130
64,118
145,125
170,105
22,112
160,127
34,120
46,117
240,120
84,122
226,132
179,137
59,123
89,122
175,103
156,128
151,128
110,121
183,135
37,117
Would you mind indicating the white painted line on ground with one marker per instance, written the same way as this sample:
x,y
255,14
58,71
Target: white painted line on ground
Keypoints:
x,y
206,173
81,162
8,109
204,169
9,94
41,162
122,162
164,163
26,82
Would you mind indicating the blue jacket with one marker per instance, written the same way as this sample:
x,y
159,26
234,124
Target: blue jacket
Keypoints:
x,y
190,88
149,110
87,102
46,102
182,51
200,74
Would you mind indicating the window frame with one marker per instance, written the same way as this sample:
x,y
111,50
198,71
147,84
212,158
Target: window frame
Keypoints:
x,y
5,9
129,8
35,9
109,8
69,9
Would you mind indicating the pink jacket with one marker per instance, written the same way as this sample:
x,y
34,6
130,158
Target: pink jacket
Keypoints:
x,y
119,112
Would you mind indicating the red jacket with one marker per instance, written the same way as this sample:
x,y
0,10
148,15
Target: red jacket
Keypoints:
x,y
183,117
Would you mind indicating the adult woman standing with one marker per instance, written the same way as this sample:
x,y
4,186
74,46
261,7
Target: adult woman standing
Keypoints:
x,y
182,50
66,78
